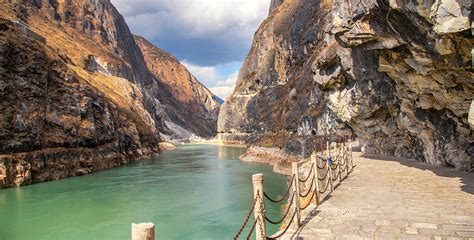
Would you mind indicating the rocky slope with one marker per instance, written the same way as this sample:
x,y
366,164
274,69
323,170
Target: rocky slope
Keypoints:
x,y
79,96
98,39
187,103
58,120
398,73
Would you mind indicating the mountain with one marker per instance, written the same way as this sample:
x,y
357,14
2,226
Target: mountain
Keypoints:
x,y
189,106
397,73
77,94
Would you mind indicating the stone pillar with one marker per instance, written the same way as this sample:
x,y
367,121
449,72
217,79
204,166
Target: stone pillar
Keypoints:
x,y
315,189
346,158
259,210
329,167
296,189
350,157
471,115
339,161
143,231
3,176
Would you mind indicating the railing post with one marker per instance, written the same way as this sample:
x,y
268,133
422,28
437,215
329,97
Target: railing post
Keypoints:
x,y
259,210
143,231
315,189
339,160
296,189
329,166
350,156
346,158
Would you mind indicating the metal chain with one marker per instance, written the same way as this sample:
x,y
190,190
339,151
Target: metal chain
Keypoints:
x,y
286,213
309,174
326,188
309,202
251,230
247,217
283,197
284,231
324,166
262,221
325,176
309,189
343,160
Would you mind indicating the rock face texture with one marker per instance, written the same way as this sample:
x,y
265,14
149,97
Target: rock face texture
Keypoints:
x,y
187,103
59,120
398,73
77,94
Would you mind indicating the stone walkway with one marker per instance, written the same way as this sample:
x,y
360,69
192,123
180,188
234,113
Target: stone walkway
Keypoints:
x,y
394,199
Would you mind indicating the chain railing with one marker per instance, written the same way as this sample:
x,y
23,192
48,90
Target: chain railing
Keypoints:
x,y
322,178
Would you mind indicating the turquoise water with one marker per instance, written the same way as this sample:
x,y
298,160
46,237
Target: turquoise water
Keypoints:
x,y
194,192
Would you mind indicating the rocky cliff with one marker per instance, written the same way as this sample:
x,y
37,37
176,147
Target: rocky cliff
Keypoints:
x,y
58,120
77,94
97,38
398,73
189,106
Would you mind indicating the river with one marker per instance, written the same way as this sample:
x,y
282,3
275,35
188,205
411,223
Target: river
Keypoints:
x,y
193,192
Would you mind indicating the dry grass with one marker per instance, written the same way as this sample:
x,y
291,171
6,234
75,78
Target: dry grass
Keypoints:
x,y
123,94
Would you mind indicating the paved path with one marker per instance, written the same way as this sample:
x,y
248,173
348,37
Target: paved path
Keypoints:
x,y
394,199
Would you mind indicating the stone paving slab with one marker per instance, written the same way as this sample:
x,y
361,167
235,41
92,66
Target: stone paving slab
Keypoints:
x,y
394,199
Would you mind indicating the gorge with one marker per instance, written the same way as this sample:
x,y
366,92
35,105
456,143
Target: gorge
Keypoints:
x,y
80,93
348,119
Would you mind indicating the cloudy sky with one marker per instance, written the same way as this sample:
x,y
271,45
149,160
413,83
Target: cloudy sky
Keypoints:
x,y
211,37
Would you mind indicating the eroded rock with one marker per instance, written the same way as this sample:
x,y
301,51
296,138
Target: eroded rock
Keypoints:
x,y
398,73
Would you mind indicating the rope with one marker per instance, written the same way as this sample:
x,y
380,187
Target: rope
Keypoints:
x,y
345,162
251,230
337,176
325,176
324,166
326,188
309,174
246,219
283,197
286,229
284,216
309,202
309,189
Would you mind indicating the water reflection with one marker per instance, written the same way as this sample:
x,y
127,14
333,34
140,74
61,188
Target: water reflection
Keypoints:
x,y
195,192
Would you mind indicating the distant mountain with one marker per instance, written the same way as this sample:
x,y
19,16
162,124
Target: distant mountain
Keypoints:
x,y
219,100
189,107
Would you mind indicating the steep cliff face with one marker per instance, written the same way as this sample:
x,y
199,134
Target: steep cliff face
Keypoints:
x,y
89,29
187,103
397,72
58,120
77,94
94,36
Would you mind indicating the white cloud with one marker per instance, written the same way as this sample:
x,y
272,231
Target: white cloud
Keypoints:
x,y
219,84
207,75
224,89
209,34
198,16
220,29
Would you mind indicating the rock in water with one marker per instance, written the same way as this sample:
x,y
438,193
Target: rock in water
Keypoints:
x,y
398,73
